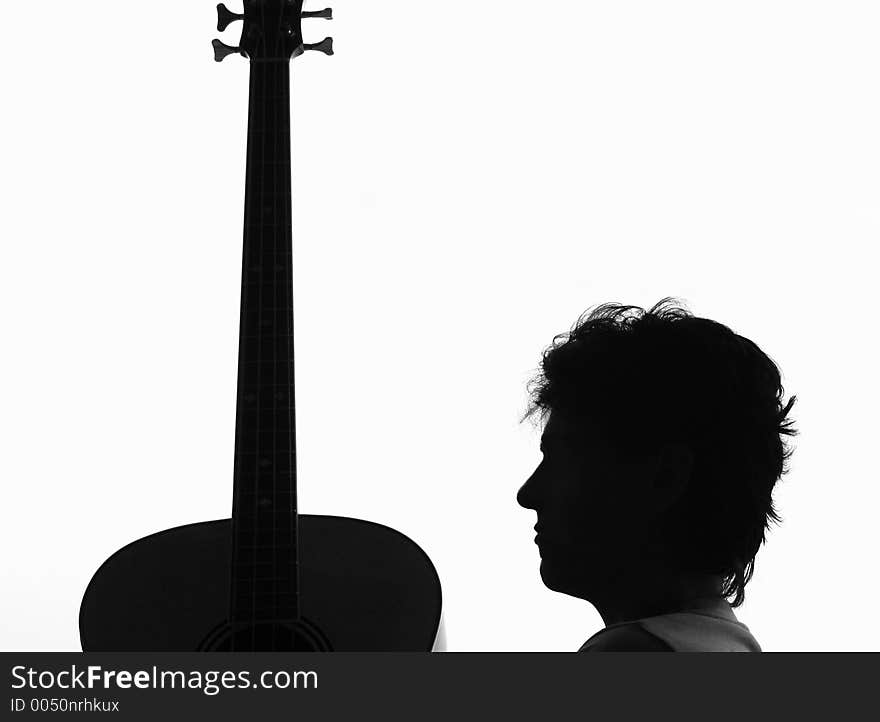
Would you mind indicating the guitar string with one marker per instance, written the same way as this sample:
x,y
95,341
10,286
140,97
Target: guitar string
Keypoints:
x,y
285,263
274,373
242,378
292,576
287,223
261,197
291,413
270,205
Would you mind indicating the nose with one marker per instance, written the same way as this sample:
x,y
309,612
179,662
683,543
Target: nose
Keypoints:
x,y
527,496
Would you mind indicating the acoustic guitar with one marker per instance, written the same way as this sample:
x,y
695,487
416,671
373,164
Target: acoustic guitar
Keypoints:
x,y
268,579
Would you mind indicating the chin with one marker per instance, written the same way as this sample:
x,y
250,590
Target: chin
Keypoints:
x,y
575,574
557,579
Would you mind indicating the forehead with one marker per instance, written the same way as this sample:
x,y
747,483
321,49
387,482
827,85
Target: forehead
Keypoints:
x,y
562,430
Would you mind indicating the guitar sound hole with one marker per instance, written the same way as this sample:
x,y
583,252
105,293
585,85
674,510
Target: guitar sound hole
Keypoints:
x,y
269,636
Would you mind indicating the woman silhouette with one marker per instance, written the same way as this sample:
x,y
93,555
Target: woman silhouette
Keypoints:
x,y
663,442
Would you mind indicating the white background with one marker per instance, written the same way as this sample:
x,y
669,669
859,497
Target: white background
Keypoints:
x,y
468,178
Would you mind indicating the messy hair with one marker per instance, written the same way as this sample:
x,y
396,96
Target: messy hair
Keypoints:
x,y
659,376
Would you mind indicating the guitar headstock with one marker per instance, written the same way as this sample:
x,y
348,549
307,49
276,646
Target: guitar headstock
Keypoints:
x,y
272,30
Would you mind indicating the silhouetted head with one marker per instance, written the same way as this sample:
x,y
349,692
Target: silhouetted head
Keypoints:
x,y
663,442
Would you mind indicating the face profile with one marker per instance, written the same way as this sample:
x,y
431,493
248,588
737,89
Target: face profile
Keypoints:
x,y
588,504
662,442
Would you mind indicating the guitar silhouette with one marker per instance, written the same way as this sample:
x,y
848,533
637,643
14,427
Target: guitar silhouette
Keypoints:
x,y
268,579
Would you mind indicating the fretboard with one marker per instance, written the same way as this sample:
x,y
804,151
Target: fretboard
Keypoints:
x,y
264,572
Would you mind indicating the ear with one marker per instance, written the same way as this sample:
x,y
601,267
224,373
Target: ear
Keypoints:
x,y
675,465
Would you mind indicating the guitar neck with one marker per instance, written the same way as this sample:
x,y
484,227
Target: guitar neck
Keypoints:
x,y
264,575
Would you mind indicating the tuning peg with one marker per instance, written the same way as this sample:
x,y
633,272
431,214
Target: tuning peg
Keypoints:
x,y
325,46
221,50
328,13
225,16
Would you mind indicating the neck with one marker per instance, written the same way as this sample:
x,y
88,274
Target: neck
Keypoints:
x,y
264,573
649,592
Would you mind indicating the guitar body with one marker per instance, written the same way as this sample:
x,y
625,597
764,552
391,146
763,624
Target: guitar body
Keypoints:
x,y
363,587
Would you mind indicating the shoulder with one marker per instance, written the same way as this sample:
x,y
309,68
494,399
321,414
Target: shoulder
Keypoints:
x,y
626,638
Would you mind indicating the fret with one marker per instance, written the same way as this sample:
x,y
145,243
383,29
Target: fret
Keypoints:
x,y
270,567
269,414
269,287
253,497
266,549
272,265
253,280
254,501
277,516
248,337
265,571
268,369
267,563
269,255
266,392
266,439
281,581
269,347
271,562
248,613
260,332
260,487
247,456
281,408
277,513
270,262
267,277
268,266
260,228
271,323
279,508
268,486
248,493
262,594
249,448
267,312
268,402
267,418
279,326
248,422
263,193
265,415
266,387
272,348
280,445
268,251
255,251
265,455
